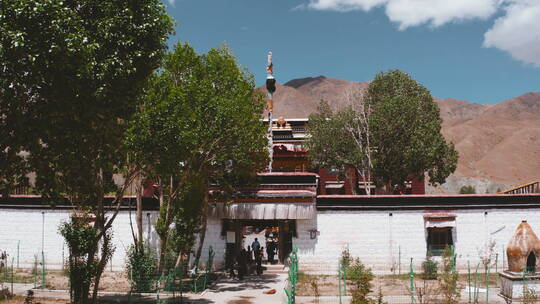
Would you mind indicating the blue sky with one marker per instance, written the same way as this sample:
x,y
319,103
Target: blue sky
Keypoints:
x,y
484,53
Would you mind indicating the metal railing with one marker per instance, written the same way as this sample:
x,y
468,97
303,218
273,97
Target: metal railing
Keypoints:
x,y
532,187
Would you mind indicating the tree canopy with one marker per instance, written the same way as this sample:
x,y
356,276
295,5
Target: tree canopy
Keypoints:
x,y
406,131
393,131
341,140
200,119
72,73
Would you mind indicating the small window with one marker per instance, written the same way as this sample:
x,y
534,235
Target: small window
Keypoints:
x,y
335,187
531,262
438,239
361,189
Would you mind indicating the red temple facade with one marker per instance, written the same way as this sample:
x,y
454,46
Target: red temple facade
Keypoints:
x,y
290,155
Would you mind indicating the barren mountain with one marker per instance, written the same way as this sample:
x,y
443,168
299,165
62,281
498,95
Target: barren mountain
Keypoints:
x,y
300,97
498,145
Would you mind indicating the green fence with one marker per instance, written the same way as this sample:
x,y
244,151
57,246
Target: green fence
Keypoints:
x,y
342,281
11,274
413,284
176,280
290,289
169,288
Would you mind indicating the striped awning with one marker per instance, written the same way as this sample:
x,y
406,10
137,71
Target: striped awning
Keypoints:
x,y
440,219
334,185
440,224
262,211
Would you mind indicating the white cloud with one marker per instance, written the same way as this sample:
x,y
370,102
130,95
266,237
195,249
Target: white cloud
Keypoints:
x,y
409,13
344,5
518,32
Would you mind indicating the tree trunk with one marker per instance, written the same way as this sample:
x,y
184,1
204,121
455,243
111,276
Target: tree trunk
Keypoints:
x,y
105,254
139,215
202,235
168,217
162,234
352,180
162,248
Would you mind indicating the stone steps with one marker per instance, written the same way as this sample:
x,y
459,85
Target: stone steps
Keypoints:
x,y
275,268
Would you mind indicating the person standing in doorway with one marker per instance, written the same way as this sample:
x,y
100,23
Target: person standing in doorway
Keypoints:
x,y
258,261
270,247
255,246
249,254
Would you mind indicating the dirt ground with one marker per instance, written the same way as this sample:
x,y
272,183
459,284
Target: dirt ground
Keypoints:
x,y
389,285
56,279
20,300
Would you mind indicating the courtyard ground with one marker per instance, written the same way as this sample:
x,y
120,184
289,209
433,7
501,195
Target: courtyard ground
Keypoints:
x,y
249,291
115,288
394,288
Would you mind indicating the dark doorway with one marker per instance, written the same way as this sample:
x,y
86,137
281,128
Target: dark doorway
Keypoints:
x,y
274,237
531,262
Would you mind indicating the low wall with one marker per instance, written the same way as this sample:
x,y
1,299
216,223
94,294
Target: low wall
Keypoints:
x,y
387,240
34,230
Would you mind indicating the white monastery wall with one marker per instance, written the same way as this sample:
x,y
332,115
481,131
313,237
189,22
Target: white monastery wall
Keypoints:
x,y
24,227
213,239
385,243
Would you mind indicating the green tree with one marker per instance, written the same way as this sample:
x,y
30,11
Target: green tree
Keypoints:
x,y
361,285
72,72
141,266
187,219
467,190
341,140
390,134
200,122
406,131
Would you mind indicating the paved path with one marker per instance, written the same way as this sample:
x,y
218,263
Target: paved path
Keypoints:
x,y
248,291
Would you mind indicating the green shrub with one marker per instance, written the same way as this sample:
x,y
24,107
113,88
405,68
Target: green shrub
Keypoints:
x,y
448,278
467,190
360,278
141,267
4,291
346,257
380,297
429,267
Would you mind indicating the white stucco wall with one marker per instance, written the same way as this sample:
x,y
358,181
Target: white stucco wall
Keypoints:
x,y
213,239
24,227
382,241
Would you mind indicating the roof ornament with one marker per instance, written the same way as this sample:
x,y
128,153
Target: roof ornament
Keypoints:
x,y
270,80
271,88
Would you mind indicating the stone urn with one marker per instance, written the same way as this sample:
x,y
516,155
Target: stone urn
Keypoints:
x,y
523,273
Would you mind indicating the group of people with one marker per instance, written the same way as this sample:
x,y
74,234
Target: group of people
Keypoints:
x,y
252,257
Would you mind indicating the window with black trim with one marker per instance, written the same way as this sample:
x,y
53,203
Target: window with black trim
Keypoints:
x,y
438,239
